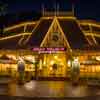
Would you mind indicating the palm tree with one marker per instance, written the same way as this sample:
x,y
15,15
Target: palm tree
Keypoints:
x,y
3,10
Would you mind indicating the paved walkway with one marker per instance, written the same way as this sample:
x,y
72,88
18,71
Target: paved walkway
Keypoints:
x,y
52,89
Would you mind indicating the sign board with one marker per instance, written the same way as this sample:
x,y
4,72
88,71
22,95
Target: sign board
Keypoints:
x,y
48,50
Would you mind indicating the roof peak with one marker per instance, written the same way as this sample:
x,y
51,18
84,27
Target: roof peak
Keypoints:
x,y
58,13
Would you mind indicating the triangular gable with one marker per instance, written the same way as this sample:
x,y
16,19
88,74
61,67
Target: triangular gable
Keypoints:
x,y
55,36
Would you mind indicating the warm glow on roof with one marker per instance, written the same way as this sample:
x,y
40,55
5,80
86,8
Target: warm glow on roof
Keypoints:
x,y
9,37
90,23
92,34
19,25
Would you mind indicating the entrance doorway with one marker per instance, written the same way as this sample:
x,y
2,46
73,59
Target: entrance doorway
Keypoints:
x,y
53,65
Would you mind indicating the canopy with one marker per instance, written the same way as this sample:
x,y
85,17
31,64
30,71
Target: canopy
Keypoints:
x,y
6,59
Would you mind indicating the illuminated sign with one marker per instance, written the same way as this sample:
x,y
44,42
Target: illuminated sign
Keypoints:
x,y
48,50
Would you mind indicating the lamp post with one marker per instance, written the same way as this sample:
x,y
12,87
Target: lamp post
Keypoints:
x,y
36,67
21,69
75,69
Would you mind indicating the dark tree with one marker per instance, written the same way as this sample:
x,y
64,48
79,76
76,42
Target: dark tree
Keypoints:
x,y
3,10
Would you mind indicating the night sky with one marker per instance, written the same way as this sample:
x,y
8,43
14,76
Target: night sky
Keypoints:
x,y
84,9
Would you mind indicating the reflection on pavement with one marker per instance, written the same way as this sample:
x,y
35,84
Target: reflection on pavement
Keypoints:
x,y
30,85
51,89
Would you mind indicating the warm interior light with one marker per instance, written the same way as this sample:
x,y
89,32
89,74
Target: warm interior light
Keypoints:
x,y
40,67
98,58
76,59
69,63
44,63
30,58
52,62
56,57
12,56
51,68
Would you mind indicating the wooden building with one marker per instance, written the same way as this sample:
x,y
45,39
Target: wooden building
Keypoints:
x,y
69,41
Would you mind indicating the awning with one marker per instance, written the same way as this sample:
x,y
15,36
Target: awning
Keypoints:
x,y
5,59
